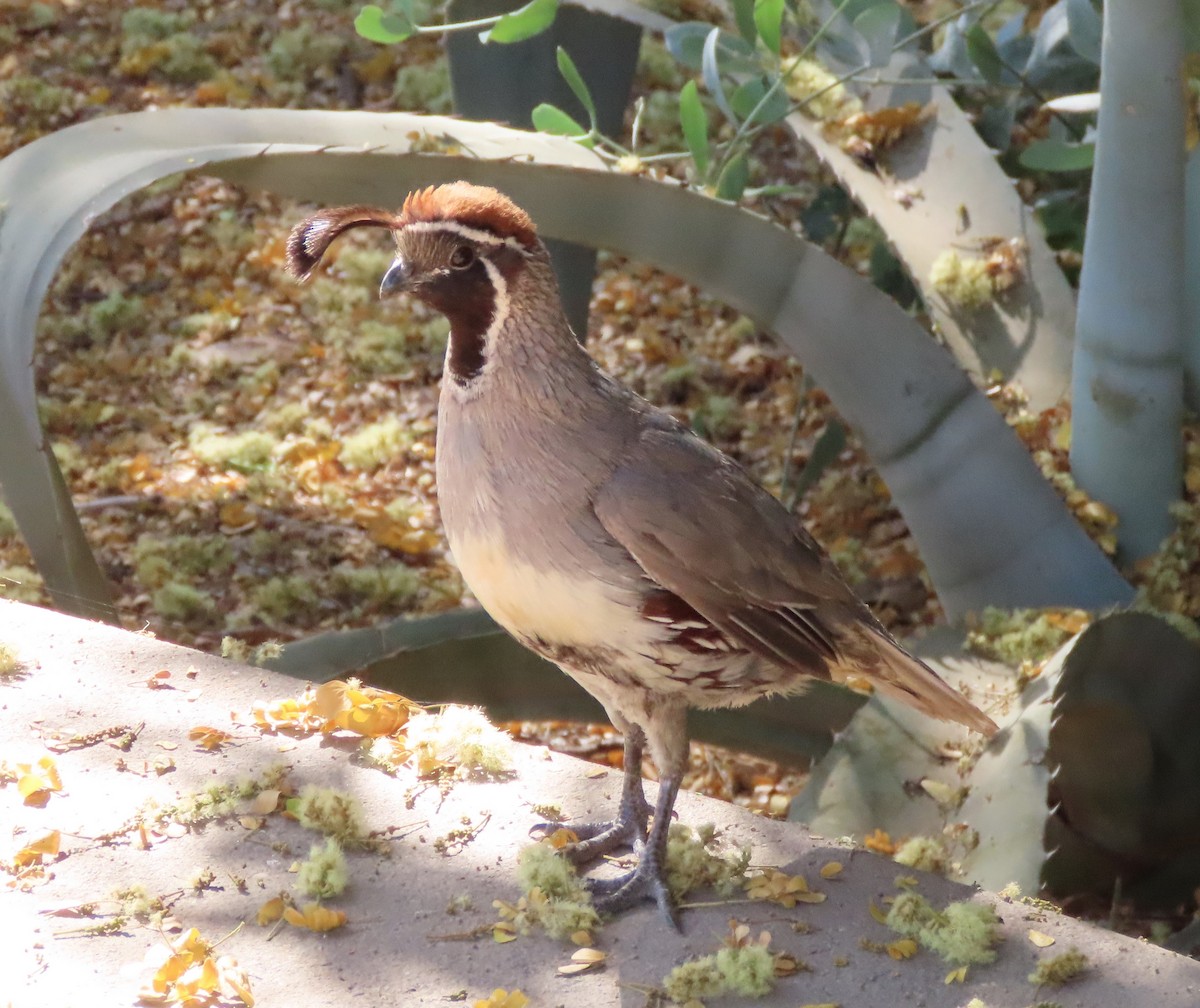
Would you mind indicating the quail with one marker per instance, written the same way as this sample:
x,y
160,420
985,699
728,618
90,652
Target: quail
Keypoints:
x,y
601,532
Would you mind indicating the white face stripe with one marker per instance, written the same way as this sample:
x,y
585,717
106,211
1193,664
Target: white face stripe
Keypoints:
x,y
464,390
470,233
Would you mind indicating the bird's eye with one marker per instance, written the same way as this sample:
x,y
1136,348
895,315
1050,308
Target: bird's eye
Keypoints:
x,y
462,257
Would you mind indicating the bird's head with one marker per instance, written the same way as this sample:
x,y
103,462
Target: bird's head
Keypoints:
x,y
460,248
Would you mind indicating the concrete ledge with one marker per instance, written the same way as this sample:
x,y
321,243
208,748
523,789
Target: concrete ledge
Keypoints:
x,y
81,678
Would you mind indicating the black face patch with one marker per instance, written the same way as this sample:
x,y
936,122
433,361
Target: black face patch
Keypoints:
x,y
468,299
450,276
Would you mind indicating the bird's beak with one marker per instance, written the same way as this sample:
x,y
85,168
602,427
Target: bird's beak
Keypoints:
x,y
397,279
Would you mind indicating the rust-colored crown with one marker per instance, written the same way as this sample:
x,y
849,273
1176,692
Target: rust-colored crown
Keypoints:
x,y
475,206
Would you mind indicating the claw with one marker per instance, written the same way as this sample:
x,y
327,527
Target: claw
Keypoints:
x,y
627,830
648,880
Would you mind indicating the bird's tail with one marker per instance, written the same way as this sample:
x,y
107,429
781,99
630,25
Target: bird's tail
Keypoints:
x,y
875,656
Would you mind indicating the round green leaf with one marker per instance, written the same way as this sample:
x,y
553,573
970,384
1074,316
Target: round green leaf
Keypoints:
x,y
525,22
551,119
374,24
1058,156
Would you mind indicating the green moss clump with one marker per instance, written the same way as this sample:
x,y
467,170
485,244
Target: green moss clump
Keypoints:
x,y
375,445
334,813
8,524
963,281
1013,636
1060,969
694,979
181,602
924,853
157,561
9,662
746,970
248,451
114,314
380,348
424,87
324,873
278,599
151,24
555,898
286,418
34,104
21,584
392,587
157,40
221,800
239,651
301,52
692,863
542,866
1169,581
657,68
962,934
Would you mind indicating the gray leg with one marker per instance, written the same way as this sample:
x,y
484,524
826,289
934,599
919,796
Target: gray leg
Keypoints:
x,y
629,828
648,879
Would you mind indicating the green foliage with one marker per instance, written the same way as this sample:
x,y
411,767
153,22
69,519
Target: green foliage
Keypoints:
x,y
1060,969
525,22
278,598
392,587
744,970
246,452
375,445
21,584
302,52
158,40
157,561
336,814
962,934
34,103
152,24
181,602
115,314
423,88
1014,636
694,863
8,524
555,898
324,873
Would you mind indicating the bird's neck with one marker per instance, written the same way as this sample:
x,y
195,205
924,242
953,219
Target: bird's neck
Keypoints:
x,y
516,340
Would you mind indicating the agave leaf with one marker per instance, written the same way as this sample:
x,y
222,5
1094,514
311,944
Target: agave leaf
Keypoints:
x,y
1095,763
951,462
1127,763
943,189
863,782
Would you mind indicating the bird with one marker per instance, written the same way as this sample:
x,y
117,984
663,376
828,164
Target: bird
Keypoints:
x,y
603,533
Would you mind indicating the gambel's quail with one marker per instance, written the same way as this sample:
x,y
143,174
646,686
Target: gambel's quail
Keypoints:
x,y
602,533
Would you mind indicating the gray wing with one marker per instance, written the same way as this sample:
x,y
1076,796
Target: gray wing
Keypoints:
x,y
700,527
